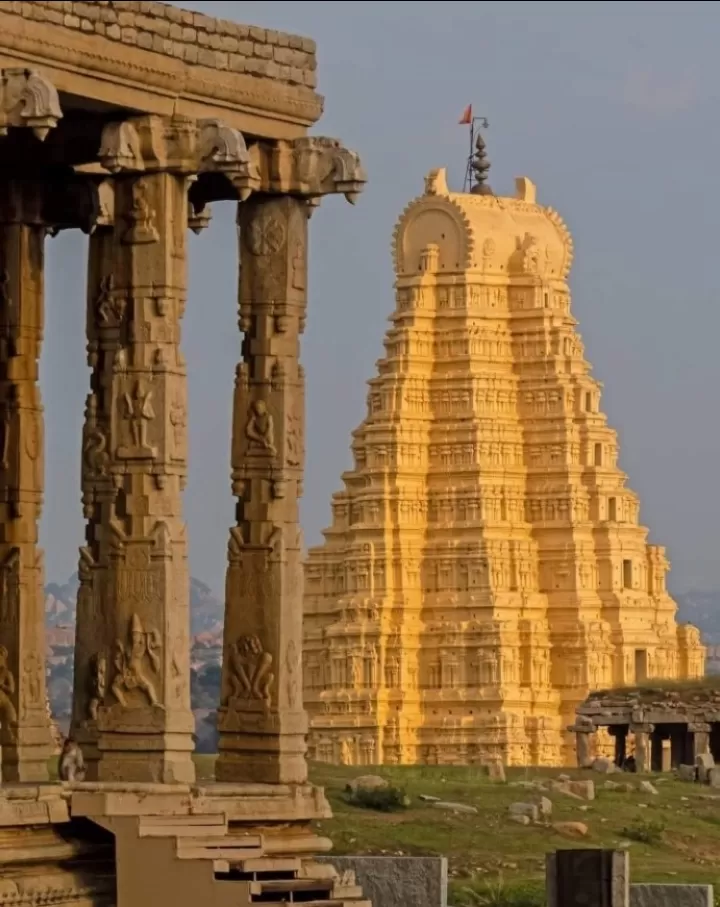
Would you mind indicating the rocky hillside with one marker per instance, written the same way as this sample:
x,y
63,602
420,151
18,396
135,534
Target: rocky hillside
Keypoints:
x,y
206,610
701,608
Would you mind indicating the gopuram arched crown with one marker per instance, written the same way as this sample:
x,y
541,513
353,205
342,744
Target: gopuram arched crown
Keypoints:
x,y
485,233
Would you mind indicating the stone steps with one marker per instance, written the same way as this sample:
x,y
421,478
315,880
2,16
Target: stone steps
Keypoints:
x,y
216,864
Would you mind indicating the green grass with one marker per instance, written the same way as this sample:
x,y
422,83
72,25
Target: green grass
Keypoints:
x,y
487,851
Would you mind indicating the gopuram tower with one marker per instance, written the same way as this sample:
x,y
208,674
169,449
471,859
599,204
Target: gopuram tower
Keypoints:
x,y
485,568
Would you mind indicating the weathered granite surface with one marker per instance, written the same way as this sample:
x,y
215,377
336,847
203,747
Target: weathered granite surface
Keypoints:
x,y
399,881
671,895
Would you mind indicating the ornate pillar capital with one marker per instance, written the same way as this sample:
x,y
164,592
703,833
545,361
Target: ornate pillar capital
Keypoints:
x,y
311,167
28,100
151,144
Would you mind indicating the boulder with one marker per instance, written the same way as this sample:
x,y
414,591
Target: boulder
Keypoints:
x,y
366,782
521,820
524,809
573,829
647,787
545,806
604,765
687,773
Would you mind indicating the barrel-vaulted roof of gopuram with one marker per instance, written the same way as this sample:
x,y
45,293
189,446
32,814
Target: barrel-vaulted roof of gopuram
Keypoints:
x,y
156,58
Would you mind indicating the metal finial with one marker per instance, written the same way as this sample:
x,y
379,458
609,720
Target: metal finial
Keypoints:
x,y
480,168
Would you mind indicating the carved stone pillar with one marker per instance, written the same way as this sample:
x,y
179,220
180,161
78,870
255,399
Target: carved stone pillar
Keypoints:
x,y
262,723
105,314
136,680
25,728
261,720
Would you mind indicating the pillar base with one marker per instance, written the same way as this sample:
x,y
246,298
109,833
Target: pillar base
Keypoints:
x,y
145,746
258,747
25,758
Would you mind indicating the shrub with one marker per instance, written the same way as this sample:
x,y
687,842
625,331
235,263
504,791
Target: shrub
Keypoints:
x,y
645,831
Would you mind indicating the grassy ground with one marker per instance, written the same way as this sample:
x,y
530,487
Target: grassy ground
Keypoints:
x,y
682,822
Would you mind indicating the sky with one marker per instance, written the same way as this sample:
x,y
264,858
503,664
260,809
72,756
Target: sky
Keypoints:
x,y
611,108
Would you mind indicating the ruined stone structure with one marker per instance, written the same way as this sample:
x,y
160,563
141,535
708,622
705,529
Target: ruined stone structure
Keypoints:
x,y
661,727
127,121
485,567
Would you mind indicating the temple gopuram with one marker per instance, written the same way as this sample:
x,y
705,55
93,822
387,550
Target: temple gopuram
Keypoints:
x,y
485,567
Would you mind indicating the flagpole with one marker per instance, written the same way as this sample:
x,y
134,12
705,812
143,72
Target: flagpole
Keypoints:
x,y
483,121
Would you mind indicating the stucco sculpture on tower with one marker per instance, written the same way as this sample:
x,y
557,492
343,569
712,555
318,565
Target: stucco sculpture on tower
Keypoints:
x,y
485,567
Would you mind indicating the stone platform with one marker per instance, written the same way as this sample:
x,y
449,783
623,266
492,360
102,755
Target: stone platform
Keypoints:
x,y
143,844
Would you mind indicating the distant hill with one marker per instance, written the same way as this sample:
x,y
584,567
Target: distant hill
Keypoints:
x,y
206,611
701,608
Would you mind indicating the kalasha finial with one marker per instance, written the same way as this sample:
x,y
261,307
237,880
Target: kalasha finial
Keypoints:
x,y
480,168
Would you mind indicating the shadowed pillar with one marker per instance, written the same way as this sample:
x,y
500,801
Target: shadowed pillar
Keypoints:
x,y
261,720
105,314
25,728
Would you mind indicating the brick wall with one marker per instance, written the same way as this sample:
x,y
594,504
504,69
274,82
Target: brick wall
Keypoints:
x,y
197,39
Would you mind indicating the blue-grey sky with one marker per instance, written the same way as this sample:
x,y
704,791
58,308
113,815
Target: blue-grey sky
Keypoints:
x,y
610,107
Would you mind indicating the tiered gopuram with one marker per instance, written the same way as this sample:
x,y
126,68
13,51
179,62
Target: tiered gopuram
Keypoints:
x,y
485,567
128,121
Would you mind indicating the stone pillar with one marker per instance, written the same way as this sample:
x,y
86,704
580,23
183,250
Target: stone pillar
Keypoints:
x,y
642,744
103,324
701,739
584,731
262,722
25,729
665,756
136,678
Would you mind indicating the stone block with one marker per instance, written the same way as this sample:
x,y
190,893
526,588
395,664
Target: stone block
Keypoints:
x,y
593,878
584,789
688,772
530,810
397,881
713,777
678,895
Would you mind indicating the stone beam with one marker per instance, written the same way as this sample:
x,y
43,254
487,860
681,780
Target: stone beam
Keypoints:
x,y
261,721
162,60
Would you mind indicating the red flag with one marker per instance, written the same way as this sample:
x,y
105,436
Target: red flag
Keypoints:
x,y
466,118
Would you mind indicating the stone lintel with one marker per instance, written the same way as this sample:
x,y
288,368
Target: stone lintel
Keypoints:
x,y
200,83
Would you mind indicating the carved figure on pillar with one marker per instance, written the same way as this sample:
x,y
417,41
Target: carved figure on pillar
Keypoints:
x,y
262,723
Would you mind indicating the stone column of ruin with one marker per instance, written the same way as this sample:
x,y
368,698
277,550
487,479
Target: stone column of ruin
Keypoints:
x,y
104,321
262,722
24,725
144,722
261,719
